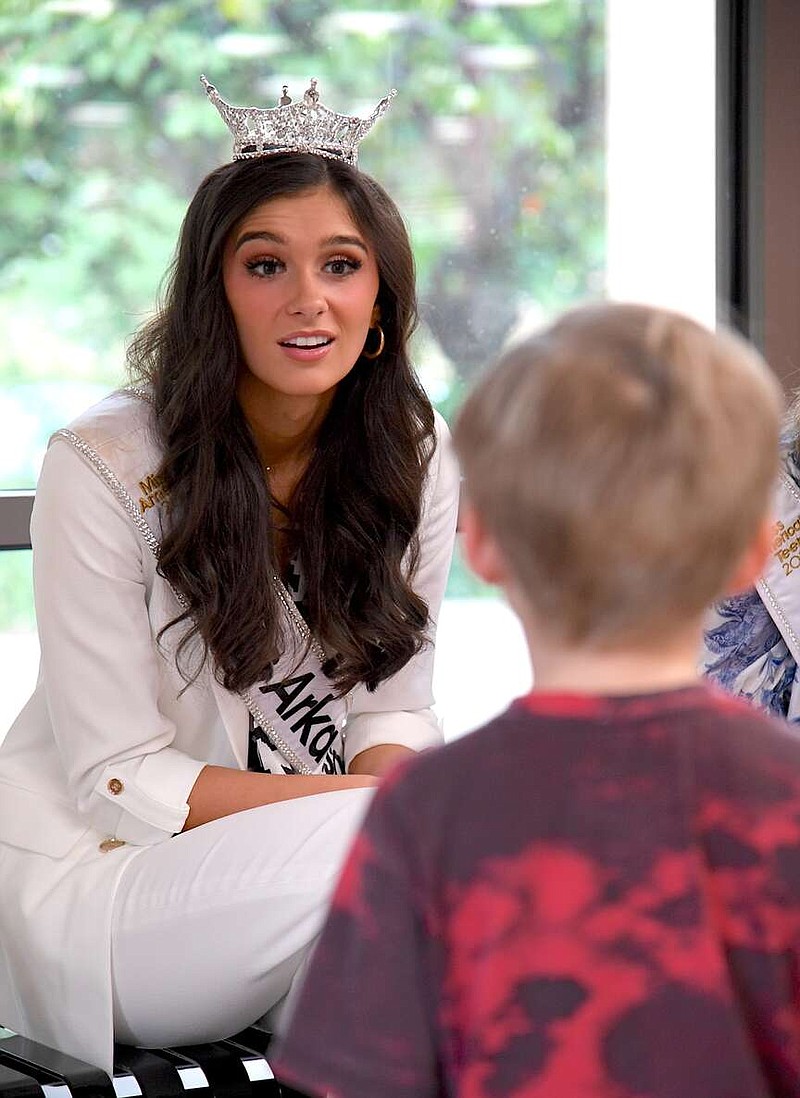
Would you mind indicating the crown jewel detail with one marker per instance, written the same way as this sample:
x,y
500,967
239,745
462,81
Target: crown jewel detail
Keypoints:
x,y
306,126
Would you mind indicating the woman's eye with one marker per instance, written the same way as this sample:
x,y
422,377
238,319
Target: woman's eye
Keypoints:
x,y
342,265
264,268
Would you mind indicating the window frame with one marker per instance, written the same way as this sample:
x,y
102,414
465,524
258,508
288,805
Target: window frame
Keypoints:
x,y
758,203
740,107
15,519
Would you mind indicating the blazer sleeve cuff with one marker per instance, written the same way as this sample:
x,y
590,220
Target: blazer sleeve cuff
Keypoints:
x,y
144,801
417,729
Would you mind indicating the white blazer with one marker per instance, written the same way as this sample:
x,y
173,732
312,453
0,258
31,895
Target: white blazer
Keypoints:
x,y
99,764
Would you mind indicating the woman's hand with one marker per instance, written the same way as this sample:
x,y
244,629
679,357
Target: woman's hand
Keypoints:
x,y
221,791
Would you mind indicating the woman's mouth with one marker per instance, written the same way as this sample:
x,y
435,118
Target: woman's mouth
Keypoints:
x,y
307,341
306,348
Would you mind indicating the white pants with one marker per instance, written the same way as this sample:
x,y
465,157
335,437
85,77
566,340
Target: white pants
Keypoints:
x,y
210,928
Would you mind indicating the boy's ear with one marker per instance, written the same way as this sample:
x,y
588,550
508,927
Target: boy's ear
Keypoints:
x,y
481,551
754,559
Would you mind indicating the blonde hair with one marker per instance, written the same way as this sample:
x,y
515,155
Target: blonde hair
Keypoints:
x,y
623,459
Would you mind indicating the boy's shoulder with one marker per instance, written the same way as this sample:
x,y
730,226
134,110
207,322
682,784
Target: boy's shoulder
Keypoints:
x,y
747,756
443,774
738,726
463,753
464,777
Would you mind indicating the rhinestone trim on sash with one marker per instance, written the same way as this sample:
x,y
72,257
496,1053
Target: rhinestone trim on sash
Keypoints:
x,y
297,619
118,489
140,392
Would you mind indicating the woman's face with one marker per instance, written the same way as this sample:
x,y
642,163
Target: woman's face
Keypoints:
x,y
301,281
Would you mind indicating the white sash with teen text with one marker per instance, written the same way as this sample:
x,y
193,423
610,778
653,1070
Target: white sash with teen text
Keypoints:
x,y
779,586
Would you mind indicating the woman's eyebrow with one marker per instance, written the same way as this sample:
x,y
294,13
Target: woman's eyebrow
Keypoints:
x,y
339,240
334,241
260,234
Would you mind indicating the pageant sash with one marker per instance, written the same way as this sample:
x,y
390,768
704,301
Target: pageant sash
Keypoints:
x,y
779,587
295,719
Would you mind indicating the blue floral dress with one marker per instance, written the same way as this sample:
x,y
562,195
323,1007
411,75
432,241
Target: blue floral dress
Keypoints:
x,y
744,651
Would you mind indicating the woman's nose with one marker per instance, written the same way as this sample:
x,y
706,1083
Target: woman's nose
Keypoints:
x,y
307,297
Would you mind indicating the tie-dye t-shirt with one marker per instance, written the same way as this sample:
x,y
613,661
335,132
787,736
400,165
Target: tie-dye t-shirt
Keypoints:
x,y
587,898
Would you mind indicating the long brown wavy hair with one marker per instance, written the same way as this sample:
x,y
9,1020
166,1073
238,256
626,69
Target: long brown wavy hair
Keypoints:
x,y
355,513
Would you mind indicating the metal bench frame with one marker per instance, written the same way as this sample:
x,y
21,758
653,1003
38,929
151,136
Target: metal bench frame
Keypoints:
x,y
235,1068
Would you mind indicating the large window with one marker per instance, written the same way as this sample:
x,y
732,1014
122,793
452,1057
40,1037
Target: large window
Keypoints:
x,y
513,150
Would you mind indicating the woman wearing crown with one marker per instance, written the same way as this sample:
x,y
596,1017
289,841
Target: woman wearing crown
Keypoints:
x,y
239,562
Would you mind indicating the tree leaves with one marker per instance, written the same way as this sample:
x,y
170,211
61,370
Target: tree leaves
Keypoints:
x,y
494,150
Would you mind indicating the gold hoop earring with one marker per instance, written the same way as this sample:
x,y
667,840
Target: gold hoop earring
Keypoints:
x,y
381,344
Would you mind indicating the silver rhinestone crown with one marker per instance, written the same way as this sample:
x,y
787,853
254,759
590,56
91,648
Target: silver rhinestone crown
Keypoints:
x,y
305,126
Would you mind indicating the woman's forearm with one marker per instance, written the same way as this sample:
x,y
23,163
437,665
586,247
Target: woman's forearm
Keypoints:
x,y
221,791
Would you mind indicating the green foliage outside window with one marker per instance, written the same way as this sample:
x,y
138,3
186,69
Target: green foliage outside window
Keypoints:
x,y
494,150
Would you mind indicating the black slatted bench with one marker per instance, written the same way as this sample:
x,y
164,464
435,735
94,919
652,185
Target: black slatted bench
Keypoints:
x,y
236,1068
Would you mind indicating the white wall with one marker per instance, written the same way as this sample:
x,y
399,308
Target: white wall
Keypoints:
x,y
661,154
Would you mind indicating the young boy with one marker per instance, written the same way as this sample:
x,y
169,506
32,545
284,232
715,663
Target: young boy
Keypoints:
x,y
597,895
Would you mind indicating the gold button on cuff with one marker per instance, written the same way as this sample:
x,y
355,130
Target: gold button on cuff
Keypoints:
x,y
110,844
115,786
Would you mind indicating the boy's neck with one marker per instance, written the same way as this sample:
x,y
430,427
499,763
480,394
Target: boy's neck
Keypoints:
x,y
627,670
